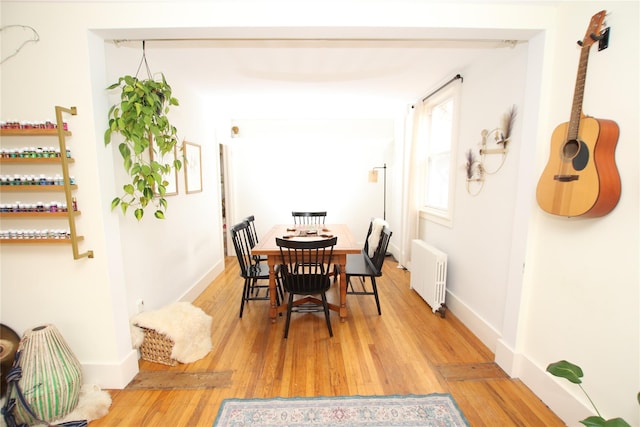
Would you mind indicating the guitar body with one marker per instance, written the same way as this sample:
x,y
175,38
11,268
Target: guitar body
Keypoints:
x,y
581,177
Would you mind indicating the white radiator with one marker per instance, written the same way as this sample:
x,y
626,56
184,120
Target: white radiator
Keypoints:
x,y
429,274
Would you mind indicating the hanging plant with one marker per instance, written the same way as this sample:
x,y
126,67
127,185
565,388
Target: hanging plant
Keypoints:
x,y
141,119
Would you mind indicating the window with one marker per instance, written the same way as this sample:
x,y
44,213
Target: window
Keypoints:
x,y
439,158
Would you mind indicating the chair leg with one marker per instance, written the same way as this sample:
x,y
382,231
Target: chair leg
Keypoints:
x,y
375,293
286,325
245,294
325,304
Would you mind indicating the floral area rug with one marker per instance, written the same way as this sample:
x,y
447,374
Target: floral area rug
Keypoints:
x,y
412,410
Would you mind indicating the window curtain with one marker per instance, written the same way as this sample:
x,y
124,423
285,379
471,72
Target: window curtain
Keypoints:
x,y
411,180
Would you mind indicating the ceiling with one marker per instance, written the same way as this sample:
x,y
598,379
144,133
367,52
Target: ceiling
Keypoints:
x,y
269,70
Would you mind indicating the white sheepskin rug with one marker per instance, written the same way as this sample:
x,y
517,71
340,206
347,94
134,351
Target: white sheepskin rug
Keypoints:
x,y
187,326
93,403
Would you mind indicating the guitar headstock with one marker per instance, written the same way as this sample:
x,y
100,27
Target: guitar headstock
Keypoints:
x,y
594,29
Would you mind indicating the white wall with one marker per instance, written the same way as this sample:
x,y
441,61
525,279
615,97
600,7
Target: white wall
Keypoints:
x,y
581,282
568,262
537,288
479,242
280,166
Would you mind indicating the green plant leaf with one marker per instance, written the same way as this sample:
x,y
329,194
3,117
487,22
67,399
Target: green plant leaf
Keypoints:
x,y
148,192
124,150
595,421
616,422
159,214
567,370
115,202
138,213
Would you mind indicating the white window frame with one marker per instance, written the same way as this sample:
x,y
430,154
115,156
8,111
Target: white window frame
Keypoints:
x,y
434,214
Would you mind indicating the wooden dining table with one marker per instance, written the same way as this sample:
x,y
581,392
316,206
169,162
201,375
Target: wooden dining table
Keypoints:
x,y
346,244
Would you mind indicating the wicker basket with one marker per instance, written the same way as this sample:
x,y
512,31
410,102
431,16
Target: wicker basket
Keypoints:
x,y
157,347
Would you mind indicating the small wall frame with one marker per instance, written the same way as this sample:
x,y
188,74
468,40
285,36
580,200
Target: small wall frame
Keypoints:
x,y
192,167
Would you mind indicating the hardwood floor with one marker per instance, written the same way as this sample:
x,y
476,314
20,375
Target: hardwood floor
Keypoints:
x,y
406,350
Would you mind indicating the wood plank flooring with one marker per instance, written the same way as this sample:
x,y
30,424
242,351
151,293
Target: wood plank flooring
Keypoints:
x,y
406,350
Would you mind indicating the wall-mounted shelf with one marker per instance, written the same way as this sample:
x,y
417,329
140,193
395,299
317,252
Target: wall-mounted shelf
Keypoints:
x,y
34,132
35,188
41,237
37,214
41,241
34,160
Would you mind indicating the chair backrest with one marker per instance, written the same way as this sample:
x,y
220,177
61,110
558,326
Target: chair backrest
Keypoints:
x,y
366,239
242,245
309,217
306,265
253,234
376,261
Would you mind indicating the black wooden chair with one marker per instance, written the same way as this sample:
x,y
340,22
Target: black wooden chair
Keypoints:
x,y
253,272
309,218
305,270
253,235
363,265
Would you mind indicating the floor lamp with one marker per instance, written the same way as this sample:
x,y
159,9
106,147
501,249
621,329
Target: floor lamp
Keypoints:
x,y
373,177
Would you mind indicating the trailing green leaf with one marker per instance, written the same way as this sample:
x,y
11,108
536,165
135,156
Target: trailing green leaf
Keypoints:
x,y
141,120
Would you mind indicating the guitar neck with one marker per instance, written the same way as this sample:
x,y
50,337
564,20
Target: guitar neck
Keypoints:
x,y
578,94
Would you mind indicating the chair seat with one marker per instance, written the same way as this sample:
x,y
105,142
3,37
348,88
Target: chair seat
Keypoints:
x,y
258,271
357,265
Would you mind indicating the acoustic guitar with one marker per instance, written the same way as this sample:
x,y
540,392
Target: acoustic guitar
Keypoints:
x,y
581,177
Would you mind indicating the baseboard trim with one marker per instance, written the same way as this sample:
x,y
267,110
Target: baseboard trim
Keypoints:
x,y
192,293
112,377
476,324
551,391
567,405
117,376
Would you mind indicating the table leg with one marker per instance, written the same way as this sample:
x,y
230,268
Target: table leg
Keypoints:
x,y
272,290
342,262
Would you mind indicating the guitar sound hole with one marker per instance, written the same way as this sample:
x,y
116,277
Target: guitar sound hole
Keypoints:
x,y
570,149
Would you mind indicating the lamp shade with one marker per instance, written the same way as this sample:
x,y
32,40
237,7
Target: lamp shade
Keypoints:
x,y
373,175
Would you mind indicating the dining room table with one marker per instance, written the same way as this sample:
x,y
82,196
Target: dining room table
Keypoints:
x,y
346,244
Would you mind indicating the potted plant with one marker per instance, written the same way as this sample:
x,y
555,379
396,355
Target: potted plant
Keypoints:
x,y
141,118
573,373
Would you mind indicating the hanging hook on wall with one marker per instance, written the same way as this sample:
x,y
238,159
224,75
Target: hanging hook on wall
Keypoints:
x,y
144,60
35,38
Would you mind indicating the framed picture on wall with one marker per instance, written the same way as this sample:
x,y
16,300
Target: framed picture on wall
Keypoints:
x,y
171,189
192,167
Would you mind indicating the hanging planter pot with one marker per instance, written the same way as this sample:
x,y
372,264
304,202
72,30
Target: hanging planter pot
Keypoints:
x,y
141,119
